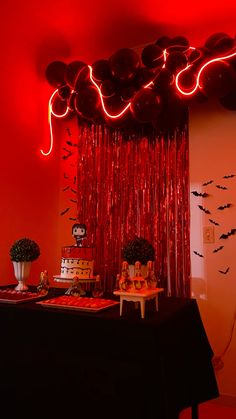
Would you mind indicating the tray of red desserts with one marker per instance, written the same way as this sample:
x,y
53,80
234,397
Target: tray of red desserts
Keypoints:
x,y
79,303
12,296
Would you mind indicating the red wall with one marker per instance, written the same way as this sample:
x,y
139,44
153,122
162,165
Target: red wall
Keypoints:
x,y
34,34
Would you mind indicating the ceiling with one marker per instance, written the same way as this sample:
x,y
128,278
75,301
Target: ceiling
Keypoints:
x,y
89,30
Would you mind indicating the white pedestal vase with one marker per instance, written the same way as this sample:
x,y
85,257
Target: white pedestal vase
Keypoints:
x,y
22,272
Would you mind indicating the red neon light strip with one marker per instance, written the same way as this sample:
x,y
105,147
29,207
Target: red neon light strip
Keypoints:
x,y
101,97
50,113
115,116
197,85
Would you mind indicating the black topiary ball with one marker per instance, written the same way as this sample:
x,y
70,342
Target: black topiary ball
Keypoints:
x,y
138,249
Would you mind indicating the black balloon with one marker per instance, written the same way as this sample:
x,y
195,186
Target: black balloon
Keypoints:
x,y
124,63
127,93
64,92
163,80
101,70
143,76
55,73
178,43
120,122
199,55
217,79
145,106
87,102
224,44
188,79
163,42
109,88
82,79
175,61
72,70
174,113
152,56
58,105
114,104
71,101
215,37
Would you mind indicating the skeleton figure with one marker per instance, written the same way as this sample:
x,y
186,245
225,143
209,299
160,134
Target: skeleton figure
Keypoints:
x,y
43,286
79,231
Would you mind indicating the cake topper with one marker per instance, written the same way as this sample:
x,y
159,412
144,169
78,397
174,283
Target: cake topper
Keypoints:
x,y
79,231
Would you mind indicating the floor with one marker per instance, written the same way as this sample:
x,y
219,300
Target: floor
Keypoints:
x,y
222,408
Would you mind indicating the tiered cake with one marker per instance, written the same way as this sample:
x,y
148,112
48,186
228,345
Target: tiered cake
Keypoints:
x,y
77,261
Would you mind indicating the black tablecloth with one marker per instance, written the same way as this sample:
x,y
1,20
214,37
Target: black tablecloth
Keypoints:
x,y
74,364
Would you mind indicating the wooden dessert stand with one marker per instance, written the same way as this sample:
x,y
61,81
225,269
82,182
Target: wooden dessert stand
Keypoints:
x,y
139,297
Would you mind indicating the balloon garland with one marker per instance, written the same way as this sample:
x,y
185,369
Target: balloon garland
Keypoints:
x,y
155,87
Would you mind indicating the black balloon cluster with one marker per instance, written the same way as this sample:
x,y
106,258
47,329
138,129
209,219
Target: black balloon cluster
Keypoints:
x,y
155,87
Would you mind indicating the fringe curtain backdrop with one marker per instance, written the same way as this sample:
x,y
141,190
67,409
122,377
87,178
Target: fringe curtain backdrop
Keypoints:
x,y
131,184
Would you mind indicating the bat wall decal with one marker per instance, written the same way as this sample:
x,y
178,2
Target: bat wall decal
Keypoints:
x,y
224,272
213,222
218,249
68,131
228,176
203,195
208,183
65,189
65,211
204,209
71,144
222,207
227,235
221,187
198,254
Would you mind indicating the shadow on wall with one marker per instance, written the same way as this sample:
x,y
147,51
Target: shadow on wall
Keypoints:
x,y
52,47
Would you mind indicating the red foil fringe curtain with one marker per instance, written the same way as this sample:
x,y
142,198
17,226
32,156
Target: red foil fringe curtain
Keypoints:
x,y
131,184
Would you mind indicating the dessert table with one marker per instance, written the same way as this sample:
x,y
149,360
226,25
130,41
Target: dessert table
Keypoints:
x,y
78,364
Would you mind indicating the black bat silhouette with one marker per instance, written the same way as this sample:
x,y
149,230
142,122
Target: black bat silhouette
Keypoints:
x,y
74,201
204,194
228,176
73,190
73,219
204,209
224,272
65,211
222,207
71,144
69,131
213,222
198,254
208,183
218,249
65,189
230,233
221,187
68,155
